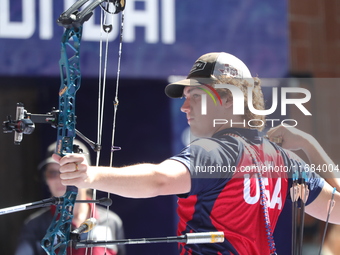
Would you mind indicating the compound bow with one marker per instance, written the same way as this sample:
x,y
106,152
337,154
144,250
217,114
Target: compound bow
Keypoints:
x,y
57,237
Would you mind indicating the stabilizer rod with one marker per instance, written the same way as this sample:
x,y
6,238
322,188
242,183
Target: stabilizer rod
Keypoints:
x,y
190,238
51,201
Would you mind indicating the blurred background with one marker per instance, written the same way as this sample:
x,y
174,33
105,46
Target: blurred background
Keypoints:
x,y
298,40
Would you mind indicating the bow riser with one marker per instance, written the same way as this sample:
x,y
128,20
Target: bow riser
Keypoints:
x,y
70,82
59,230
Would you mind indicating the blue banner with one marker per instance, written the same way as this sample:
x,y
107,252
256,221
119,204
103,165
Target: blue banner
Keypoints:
x,y
161,37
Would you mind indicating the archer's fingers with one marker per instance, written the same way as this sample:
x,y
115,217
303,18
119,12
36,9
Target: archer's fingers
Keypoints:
x,y
71,167
56,157
73,174
275,135
72,171
276,131
72,179
72,158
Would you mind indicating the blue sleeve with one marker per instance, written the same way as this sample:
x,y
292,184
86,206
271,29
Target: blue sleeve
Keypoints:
x,y
209,162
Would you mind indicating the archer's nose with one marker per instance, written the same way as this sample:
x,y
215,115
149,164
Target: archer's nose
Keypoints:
x,y
186,106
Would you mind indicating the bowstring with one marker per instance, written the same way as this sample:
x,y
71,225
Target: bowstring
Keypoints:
x,y
101,93
99,121
116,101
101,96
101,101
101,89
115,104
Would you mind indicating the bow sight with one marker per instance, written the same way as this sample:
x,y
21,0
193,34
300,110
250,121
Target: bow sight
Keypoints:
x,y
25,122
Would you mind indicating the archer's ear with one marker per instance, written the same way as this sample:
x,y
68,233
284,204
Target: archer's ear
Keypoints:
x,y
227,102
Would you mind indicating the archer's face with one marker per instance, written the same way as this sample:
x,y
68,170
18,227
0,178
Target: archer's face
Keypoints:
x,y
202,125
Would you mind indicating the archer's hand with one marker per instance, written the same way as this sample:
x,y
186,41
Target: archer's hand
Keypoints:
x,y
74,170
290,138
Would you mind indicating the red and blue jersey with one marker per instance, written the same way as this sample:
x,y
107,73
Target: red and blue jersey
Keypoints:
x,y
225,191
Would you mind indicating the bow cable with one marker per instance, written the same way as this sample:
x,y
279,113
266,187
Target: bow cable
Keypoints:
x,y
116,101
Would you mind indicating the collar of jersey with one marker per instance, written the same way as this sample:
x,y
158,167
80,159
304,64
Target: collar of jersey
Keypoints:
x,y
250,134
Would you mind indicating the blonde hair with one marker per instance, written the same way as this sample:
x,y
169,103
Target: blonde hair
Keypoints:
x,y
257,97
